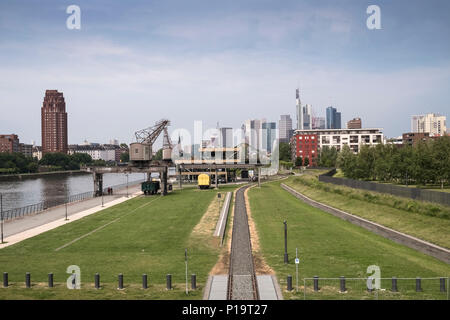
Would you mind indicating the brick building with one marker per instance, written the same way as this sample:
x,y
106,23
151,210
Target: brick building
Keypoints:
x,y
9,143
355,123
305,145
54,122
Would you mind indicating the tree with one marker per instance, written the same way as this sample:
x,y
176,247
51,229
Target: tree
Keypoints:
x,y
440,150
285,151
346,161
124,146
125,157
81,158
298,162
306,162
327,157
158,155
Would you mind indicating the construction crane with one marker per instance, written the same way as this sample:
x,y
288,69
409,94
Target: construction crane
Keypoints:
x,y
141,150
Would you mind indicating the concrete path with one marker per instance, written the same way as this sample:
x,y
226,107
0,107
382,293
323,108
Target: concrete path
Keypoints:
x,y
29,226
12,227
221,223
216,288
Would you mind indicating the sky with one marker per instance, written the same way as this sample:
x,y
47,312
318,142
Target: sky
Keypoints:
x,y
135,62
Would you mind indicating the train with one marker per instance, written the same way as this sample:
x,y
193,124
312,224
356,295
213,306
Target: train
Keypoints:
x,y
204,181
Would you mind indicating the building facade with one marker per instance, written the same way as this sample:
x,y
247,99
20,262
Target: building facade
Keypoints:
x,y
269,135
333,118
432,123
336,138
305,144
9,143
26,149
285,128
54,123
355,123
318,123
412,138
299,110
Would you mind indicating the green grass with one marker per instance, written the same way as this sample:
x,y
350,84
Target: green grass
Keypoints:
x,y
330,247
423,220
150,237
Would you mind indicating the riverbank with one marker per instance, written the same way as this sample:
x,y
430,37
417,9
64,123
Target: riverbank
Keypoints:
x,y
20,176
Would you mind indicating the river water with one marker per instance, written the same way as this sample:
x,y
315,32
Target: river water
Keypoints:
x,y
19,193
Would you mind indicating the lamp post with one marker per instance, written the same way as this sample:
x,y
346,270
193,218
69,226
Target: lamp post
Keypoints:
x,y
127,183
1,211
286,259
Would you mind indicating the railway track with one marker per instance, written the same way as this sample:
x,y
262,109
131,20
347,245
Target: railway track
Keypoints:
x,y
242,284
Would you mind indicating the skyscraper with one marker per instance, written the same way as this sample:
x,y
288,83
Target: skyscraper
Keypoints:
x,y
285,128
54,122
299,109
333,118
269,135
307,117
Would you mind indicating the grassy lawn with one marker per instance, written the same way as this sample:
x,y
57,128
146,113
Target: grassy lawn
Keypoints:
x,y
330,247
142,235
415,218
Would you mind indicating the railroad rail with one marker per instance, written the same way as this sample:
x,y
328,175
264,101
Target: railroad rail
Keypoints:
x,y
242,284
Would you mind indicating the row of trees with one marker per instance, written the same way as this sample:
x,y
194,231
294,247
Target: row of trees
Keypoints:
x,y
426,162
11,163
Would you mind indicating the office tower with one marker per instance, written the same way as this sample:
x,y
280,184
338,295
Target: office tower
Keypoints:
x,y
299,110
432,123
253,132
355,123
285,128
333,118
269,135
307,117
226,137
318,123
54,122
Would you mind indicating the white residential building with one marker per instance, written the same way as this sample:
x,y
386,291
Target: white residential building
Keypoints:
x,y
338,138
432,123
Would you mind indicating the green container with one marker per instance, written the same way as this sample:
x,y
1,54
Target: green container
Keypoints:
x,y
150,187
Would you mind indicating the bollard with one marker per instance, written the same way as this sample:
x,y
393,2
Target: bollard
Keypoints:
x,y
394,284
418,285
28,280
144,281
442,282
369,285
289,283
120,281
343,289
97,281
169,282
50,280
5,279
193,281
316,283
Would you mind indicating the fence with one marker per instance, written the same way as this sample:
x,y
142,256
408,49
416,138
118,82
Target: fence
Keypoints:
x,y
47,204
413,193
390,289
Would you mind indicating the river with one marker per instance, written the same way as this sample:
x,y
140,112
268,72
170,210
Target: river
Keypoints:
x,y
19,193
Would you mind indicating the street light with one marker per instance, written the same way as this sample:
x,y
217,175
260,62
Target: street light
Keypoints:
x,y
1,211
286,259
127,183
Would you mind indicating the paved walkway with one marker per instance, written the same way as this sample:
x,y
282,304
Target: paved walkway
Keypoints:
x,y
28,226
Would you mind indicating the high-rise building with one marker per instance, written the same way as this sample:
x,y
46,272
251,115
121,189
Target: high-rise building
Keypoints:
x,y
333,118
318,123
269,135
432,123
299,110
226,137
54,123
285,128
9,143
355,123
253,133
307,117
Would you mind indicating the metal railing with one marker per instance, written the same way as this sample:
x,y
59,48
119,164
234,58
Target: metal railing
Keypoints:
x,y
436,288
57,201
